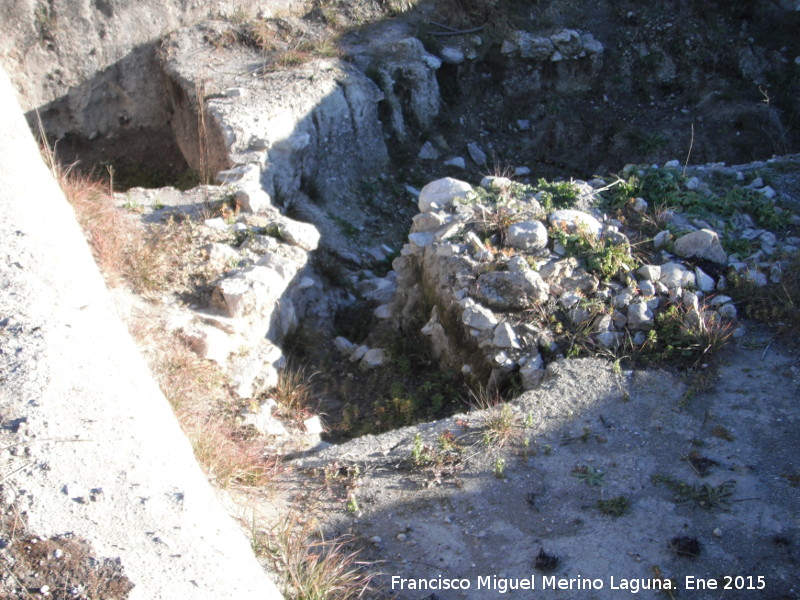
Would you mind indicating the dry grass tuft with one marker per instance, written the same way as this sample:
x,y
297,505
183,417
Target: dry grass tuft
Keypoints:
x,y
295,394
501,424
197,390
314,568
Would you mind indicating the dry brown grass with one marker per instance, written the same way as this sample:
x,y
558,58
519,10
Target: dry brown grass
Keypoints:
x,y
295,394
197,391
109,236
314,568
154,259
149,259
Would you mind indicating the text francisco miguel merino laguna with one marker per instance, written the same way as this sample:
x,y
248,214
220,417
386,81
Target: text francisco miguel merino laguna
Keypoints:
x,y
503,585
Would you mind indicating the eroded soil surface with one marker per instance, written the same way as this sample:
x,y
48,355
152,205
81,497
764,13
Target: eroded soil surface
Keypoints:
x,y
703,469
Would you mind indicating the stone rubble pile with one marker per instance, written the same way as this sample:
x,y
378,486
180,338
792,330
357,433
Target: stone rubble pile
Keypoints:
x,y
500,286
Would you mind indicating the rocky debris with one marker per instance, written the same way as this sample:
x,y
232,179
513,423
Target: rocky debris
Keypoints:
x,y
507,279
566,44
308,127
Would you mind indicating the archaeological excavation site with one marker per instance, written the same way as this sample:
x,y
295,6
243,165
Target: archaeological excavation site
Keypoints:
x,y
399,299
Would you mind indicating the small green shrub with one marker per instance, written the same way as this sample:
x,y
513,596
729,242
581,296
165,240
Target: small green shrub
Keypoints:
x,y
556,194
589,475
603,258
705,496
614,507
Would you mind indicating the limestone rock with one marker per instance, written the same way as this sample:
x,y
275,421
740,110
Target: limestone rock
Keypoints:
x,y
441,193
374,357
640,316
478,317
703,244
675,275
503,290
527,235
505,337
574,220
532,371
476,153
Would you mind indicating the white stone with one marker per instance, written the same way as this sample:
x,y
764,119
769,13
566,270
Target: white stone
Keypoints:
x,y
456,161
222,254
532,372
647,288
672,164
428,152
690,300
429,221
504,361
264,422
640,316
216,223
704,281
493,182
476,153
384,311
640,205
252,199
675,275
572,220
662,238
505,336
693,183
451,56
609,339
343,345
767,192
441,193
210,342
421,239
359,353
701,244
527,235
649,272
478,317
303,235
314,425
374,357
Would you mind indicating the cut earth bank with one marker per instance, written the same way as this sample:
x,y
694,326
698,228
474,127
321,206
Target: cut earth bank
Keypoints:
x,y
90,447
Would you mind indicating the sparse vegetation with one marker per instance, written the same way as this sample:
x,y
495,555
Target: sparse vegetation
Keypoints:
x,y
685,337
603,257
312,567
614,507
588,475
704,495
58,567
776,304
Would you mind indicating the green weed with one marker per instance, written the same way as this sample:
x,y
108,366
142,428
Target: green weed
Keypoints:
x,y
614,507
